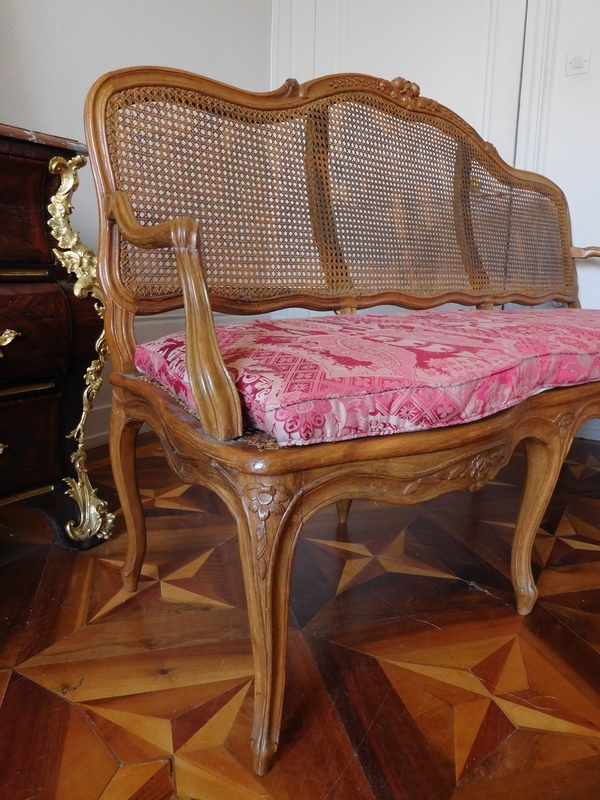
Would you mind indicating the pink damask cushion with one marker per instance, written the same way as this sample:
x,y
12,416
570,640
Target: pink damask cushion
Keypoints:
x,y
332,378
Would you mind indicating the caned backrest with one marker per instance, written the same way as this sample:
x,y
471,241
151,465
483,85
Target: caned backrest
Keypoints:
x,y
347,190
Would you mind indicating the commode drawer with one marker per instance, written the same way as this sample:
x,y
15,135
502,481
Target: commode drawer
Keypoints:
x,y
29,443
34,332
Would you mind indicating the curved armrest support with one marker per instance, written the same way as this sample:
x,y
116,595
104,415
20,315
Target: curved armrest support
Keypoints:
x,y
217,401
585,252
119,208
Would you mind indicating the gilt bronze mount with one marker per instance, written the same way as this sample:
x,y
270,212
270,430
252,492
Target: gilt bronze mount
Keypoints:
x,y
95,519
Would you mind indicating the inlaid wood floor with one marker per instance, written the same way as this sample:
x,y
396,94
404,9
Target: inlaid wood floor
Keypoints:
x,y
410,674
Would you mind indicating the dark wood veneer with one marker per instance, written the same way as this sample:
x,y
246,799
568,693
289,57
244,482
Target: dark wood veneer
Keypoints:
x,y
40,315
42,368
22,228
29,430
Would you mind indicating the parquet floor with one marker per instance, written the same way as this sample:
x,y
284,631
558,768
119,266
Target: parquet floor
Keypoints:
x,y
410,673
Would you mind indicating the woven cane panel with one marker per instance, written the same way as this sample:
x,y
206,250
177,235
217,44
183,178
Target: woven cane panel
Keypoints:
x,y
416,210
347,195
521,235
239,172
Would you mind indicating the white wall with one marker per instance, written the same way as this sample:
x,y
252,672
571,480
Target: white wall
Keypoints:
x,y
560,136
560,118
52,51
498,63
465,54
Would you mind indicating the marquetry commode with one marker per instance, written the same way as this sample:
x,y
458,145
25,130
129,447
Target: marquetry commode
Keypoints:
x,y
47,333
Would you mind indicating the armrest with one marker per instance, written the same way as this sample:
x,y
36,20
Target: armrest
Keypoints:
x,y
217,401
119,208
585,252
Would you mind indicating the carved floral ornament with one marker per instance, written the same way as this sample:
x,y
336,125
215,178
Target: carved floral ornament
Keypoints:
x,y
564,423
477,468
267,501
405,92
480,467
398,86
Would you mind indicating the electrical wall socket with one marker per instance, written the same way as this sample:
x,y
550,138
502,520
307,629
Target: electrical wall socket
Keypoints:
x,y
578,63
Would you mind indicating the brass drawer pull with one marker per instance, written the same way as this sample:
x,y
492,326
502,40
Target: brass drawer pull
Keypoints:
x,y
3,447
6,338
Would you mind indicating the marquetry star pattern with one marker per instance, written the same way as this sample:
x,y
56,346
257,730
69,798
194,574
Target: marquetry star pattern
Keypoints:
x,y
590,467
398,554
152,692
489,688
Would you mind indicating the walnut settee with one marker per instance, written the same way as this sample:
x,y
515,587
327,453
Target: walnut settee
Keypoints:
x,y
342,194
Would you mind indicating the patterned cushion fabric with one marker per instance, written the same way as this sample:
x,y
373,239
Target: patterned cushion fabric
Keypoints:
x,y
330,378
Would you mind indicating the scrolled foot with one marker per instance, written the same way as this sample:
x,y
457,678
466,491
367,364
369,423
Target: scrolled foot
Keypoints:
x,y
526,597
544,461
263,752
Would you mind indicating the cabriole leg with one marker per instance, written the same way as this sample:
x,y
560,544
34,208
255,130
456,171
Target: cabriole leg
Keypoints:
x,y
123,435
543,467
267,536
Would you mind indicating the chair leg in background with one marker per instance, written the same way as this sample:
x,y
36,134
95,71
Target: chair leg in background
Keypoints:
x,y
123,435
544,462
343,508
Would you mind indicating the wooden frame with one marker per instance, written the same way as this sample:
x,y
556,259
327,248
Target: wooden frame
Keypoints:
x,y
272,492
